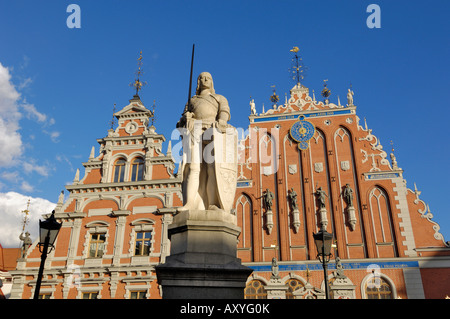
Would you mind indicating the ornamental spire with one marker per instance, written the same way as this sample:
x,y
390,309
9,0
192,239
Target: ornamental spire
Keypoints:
x,y
25,219
138,84
297,69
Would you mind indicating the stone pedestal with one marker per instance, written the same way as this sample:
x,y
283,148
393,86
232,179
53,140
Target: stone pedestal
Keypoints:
x,y
351,217
202,262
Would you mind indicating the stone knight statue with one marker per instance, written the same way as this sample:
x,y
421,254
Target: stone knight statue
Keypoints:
x,y
209,165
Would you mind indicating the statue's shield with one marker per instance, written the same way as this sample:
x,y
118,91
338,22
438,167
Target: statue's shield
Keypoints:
x,y
225,163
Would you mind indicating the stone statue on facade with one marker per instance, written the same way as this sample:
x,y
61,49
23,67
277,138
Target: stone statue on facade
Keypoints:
x,y
27,242
321,197
339,273
293,199
252,107
275,270
348,195
350,97
209,165
268,197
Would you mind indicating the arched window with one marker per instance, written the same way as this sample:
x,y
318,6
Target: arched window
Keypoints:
x,y
293,285
255,290
382,225
244,212
137,169
119,170
378,288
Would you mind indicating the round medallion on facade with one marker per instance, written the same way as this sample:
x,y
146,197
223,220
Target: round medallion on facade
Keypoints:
x,y
131,127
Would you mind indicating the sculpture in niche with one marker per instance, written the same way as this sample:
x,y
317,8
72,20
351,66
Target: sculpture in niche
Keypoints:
x,y
209,165
268,199
348,195
321,197
293,199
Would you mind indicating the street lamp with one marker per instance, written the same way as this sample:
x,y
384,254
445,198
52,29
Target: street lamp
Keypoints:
x,y
323,241
48,231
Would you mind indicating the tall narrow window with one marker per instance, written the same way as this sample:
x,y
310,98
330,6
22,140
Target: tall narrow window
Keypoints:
x,y
143,243
97,245
119,171
137,169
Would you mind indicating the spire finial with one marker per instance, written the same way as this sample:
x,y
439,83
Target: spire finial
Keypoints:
x,y
137,84
326,91
25,219
297,67
274,97
153,112
393,159
113,120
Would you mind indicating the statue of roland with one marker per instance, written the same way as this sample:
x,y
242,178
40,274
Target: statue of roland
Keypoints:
x,y
209,165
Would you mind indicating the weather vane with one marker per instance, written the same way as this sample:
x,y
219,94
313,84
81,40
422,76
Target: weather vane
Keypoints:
x,y
297,67
25,219
137,84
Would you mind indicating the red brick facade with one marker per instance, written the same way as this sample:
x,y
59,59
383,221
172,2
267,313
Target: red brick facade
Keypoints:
x,y
115,220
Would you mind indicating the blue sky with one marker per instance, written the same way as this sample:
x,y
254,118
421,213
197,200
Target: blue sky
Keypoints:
x,y
58,85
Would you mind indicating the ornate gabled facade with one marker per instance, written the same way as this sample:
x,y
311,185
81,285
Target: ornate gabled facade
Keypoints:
x,y
324,169
304,165
115,220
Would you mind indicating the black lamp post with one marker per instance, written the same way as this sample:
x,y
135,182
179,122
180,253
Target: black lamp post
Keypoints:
x,y
48,231
323,241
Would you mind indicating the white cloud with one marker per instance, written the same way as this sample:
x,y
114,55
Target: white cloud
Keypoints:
x,y
26,187
31,112
12,105
11,176
25,83
11,147
10,139
53,135
31,166
11,206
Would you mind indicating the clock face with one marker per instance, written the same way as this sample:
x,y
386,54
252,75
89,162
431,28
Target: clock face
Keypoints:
x,y
302,131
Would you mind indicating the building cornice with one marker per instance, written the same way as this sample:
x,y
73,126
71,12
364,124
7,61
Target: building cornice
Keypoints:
x,y
174,183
